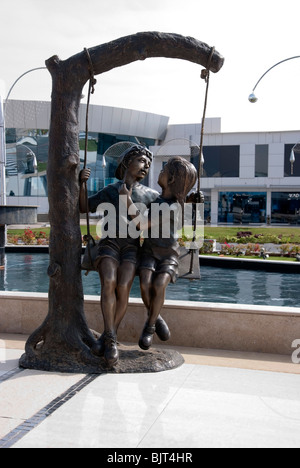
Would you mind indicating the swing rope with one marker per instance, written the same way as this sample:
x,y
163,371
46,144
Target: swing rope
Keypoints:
x,y
205,73
91,90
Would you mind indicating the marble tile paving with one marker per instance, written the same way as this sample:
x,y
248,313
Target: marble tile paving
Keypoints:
x,y
189,407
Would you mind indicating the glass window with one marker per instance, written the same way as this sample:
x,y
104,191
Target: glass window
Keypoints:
x,y
103,171
285,208
242,207
207,208
287,163
27,157
26,162
221,161
261,160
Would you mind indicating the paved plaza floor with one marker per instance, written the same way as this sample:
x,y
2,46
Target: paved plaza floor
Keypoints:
x,y
216,399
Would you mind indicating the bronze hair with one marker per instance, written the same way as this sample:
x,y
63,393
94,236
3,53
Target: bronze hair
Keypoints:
x,y
185,177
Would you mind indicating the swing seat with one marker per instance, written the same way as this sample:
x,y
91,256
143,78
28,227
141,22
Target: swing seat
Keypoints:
x,y
185,264
89,256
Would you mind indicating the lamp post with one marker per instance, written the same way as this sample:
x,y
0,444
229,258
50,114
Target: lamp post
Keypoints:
x,y
2,136
253,99
30,157
21,76
295,149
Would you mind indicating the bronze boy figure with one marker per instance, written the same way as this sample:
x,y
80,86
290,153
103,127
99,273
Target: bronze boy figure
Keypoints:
x,y
117,257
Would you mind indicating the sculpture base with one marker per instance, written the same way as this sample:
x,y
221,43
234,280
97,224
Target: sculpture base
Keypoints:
x,y
132,361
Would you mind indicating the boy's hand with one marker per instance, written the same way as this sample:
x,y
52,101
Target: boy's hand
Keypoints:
x,y
125,191
84,175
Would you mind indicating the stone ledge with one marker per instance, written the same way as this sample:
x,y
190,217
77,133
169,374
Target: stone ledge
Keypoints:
x,y
234,327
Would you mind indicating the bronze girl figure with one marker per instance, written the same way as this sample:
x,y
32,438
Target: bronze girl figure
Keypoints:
x,y
160,256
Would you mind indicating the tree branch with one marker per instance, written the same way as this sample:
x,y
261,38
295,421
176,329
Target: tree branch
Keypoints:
x,y
136,47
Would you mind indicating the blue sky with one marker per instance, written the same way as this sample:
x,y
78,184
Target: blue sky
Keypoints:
x,y
252,36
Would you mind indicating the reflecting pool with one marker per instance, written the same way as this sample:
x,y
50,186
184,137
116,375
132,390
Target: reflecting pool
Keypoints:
x,y
28,273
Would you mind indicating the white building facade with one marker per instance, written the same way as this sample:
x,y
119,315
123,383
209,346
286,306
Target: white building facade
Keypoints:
x,y
247,178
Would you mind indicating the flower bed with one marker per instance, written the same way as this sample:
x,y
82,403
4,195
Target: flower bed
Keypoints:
x,y
28,237
276,236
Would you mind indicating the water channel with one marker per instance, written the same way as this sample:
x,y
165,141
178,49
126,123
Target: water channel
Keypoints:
x,y
27,272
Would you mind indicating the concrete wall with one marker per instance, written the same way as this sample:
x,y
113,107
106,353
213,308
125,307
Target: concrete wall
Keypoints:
x,y
201,325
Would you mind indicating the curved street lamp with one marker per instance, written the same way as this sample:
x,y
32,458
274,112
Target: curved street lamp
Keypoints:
x,y
253,99
2,136
31,156
21,76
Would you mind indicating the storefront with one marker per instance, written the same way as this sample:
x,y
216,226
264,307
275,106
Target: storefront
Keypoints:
x,y
285,208
242,207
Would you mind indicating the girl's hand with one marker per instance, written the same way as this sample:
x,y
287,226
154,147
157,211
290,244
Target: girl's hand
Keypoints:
x,y
195,198
84,175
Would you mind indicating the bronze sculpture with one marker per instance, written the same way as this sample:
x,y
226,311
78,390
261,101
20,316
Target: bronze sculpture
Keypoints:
x,y
64,341
117,257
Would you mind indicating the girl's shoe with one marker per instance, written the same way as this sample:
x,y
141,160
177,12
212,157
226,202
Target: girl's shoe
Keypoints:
x,y
146,338
162,329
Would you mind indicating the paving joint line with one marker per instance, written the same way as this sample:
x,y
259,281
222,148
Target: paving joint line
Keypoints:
x,y
31,423
11,373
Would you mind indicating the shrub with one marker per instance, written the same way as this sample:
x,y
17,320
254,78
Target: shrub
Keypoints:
x,y
41,241
206,248
13,239
28,237
227,249
252,249
290,250
42,235
244,234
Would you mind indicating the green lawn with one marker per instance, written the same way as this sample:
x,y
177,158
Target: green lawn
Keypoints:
x,y
284,235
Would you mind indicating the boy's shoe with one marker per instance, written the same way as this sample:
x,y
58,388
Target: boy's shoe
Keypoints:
x,y
111,353
99,347
162,329
146,338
